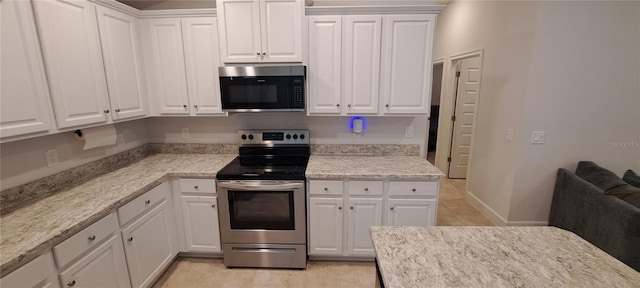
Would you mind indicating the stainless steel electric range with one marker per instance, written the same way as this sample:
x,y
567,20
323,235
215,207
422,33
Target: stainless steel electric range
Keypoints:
x,y
262,200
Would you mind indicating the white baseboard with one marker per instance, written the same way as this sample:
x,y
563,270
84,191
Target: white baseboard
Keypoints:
x,y
485,210
494,217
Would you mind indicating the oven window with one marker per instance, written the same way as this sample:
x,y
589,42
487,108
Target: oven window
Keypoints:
x,y
272,210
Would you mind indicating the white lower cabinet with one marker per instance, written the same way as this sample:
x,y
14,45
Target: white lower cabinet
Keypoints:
x,y
105,266
40,272
412,212
325,226
200,219
363,213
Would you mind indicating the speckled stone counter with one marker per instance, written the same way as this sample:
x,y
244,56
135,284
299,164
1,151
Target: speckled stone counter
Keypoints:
x,y
371,167
494,257
27,232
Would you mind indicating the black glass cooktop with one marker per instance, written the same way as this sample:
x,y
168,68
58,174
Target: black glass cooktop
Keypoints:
x,y
267,164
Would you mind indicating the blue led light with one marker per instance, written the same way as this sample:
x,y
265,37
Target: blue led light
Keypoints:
x,y
364,122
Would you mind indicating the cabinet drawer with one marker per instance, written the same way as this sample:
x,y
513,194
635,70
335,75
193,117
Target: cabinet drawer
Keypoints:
x,y
365,188
418,188
324,187
145,201
85,239
198,185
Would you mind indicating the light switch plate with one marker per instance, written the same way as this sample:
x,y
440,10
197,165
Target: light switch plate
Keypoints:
x,y
537,137
509,135
185,132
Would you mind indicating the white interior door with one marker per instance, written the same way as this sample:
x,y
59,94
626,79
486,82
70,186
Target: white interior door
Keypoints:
x,y
465,115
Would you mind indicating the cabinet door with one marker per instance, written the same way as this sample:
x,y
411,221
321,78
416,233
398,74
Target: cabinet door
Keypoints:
x,y
202,60
325,226
408,43
75,71
363,213
167,68
239,22
361,64
40,272
105,266
412,212
149,245
201,229
325,47
123,63
281,30
26,107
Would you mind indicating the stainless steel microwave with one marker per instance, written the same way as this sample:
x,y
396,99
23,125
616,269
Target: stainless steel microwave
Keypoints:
x,y
262,88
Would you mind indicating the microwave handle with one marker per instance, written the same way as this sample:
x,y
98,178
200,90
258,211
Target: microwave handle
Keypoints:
x,y
254,186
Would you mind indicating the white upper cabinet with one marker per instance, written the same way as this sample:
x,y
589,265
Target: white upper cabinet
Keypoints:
x,y
71,46
26,106
406,67
202,60
361,65
260,30
167,76
119,34
324,71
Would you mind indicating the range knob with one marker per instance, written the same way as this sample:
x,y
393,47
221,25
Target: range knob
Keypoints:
x,y
288,136
250,137
295,136
244,137
301,136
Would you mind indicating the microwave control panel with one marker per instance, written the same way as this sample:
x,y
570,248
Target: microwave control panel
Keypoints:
x,y
297,99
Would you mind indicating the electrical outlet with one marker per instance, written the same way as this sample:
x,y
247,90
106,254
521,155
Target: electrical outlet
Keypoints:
x,y
119,139
537,137
185,132
52,157
509,135
408,131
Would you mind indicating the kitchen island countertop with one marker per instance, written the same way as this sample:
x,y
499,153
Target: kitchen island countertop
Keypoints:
x,y
494,257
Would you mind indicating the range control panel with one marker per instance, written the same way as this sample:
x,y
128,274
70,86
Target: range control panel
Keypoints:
x,y
274,137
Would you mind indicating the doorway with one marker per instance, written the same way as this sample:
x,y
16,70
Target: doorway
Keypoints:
x,y
434,113
465,106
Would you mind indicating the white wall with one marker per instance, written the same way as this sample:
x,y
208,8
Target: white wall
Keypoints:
x,y
324,130
583,91
24,161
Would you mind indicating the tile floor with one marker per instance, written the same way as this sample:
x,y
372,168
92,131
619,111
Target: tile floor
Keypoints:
x,y
453,210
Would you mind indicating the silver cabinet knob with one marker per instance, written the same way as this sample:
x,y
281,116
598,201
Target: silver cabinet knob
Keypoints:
x,y
337,105
349,105
195,187
351,207
118,110
147,202
339,207
184,106
130,239
326,189
195,106
264,54
391,208
72,283
414,189
106,111
386,105
366,189
213,206
92,237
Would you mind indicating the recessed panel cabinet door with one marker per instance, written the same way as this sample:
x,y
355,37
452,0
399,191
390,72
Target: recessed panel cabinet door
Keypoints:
x,y
325,226
168,80
69,35
202,61
363,213
361,63
325,57
25,93
408,44
239,30
201,229
412,212
282,30
123,63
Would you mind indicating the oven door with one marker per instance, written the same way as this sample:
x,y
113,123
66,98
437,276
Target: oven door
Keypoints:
x,y
262,212
262,93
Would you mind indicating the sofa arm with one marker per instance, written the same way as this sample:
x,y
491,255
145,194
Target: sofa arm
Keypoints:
x,y
607,222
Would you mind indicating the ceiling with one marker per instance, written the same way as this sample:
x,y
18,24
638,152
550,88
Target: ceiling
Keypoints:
x,y
191,4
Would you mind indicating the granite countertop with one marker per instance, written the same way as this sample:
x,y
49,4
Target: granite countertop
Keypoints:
x,y
29,231
494,257
371,167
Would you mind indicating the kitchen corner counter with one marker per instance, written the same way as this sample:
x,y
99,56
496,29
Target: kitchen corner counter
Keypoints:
x,y
494,257
371,167
29,231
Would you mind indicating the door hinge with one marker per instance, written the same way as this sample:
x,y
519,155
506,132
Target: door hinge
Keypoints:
x,y
448,159
457,73
453,118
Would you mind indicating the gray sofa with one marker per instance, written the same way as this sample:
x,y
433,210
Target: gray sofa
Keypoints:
x,y
609,223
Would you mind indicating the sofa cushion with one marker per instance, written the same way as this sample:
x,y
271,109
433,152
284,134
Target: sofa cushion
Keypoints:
x,y
598,176
632,178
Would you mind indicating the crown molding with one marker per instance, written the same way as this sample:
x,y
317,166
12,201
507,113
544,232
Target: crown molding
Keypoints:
x,y
382,9
207,12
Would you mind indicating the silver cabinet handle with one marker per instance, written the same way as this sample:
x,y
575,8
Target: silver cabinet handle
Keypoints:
x,y
184,106
106,111
337,105
339,207
349,105
351,207
130,239
258,53
195,187
366,189
253,185
386,105
195,106
118,110
92,237
147,202
391,208
264,54
326,189
72,283
213,206
414,189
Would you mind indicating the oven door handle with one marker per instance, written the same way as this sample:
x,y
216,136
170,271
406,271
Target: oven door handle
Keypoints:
x,y
252,186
